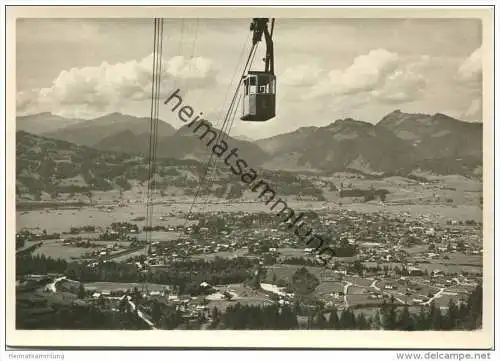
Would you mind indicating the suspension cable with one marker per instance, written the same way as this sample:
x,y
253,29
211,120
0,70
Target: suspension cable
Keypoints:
x,y
153,136
219,135
219,121
225,131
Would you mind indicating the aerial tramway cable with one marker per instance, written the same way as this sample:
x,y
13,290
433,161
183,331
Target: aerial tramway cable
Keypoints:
x,y
153,138
219,126
225,131
225,128
220,134
207,168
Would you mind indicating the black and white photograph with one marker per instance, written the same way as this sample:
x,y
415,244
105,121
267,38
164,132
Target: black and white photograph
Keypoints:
x,y
199,172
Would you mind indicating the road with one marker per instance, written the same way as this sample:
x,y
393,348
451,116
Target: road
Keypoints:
x,y
52,286
346,288
437,295
374,286
141,314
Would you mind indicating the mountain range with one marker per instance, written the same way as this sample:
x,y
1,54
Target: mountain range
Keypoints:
x,y
398,143
92,132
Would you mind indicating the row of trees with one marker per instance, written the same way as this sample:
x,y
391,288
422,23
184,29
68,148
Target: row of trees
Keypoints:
x,y
39,264
76,317
185,275
391,316
462,316
240,317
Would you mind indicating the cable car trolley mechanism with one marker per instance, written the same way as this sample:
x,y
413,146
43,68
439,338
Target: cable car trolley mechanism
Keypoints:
x,y
259,87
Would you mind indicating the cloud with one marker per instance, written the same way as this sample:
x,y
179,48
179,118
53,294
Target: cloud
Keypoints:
x,y
366,72
404,84
92,90
379,75
301,75
474,111
471,69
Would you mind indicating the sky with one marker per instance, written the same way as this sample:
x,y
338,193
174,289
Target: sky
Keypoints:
x,y
326,69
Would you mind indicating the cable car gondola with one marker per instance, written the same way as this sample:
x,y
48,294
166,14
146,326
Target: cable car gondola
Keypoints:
x,y
259,87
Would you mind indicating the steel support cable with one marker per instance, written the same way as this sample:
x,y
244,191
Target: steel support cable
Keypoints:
x,y
226,132
251,62
230,117
155,123
151,128
155,104
152,136
219,135
219,118
232,121
225,120
213,171
157,113
213,174
240,61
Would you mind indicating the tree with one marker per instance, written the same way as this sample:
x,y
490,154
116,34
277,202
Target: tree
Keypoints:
x,y
81,291
435,319
347,320
451,321
321,322
376,321
136,296
422,322
215,318
389,315
405,320
333,320
358,267
156,313
362,323
123,306
304,282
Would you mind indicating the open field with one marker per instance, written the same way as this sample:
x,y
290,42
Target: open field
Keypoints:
x,y
124,257
407,197
160,236
244,296
117,286
436,266
443,300
354,290
210,256
462,259
63,219
358,281
285,272
360,299
291,252
66,218
55,250
435,213
326,288
461,189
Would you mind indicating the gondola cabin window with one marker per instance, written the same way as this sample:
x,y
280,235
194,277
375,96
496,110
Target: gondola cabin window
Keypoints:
x,y
259,96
